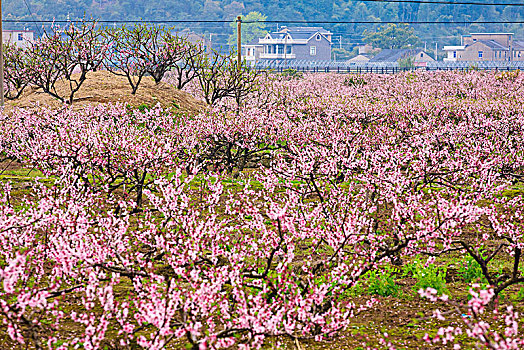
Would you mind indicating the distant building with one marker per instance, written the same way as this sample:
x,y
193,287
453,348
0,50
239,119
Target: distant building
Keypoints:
x,y
20,38
252,51
291,44
194,38
359,59
420,57
365,49
517,50
454,53
481,47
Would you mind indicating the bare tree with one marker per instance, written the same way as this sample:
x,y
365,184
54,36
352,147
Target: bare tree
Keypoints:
x,y
220,77
123,60
16,71
67,54
186,68
142,50
164,51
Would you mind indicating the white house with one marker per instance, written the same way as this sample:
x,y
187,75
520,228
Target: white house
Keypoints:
x,y
454,53
20,38
251,52
290,44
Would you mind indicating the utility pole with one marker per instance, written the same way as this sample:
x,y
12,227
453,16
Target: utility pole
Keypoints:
x,y
436,51
1,59
239,42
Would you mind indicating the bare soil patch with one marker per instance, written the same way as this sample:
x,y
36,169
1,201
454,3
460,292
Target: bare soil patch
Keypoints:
x,y
105,87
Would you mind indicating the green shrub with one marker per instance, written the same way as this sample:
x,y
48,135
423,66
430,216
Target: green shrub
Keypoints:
x,y
520,295
355,80
430,276
144,107
471,271
292,73
382,283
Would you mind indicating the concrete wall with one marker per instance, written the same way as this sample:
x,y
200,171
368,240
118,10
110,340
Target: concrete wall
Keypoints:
x,y
323,48
471,53
503,39
518,55
14,36
423,57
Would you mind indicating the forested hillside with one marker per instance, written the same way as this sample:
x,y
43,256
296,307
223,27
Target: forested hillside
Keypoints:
x,y
318,10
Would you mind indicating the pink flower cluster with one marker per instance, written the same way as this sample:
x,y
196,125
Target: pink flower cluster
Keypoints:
x,y
475,326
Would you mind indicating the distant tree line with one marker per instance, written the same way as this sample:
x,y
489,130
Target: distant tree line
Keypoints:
x,y
316,10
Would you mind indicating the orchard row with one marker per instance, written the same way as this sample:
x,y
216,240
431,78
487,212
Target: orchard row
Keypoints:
x,y
65,56
254,221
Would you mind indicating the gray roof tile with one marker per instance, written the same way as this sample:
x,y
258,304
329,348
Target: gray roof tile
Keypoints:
x,y
492,44
393,55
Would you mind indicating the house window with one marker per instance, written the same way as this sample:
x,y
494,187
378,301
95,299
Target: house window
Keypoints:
x,y
519,53
481,53
421,55
454,54
318,37
20,36
280,49
288,49
313,50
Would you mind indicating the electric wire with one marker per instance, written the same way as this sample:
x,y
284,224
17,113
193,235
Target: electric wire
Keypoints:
x,y
436,2
274,21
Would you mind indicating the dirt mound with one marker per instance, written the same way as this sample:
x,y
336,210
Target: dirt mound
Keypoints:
x,y
105,87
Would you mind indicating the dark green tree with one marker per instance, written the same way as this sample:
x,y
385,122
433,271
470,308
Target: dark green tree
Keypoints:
x,y
393,36
251,30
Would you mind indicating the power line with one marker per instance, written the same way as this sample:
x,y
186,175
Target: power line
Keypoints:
x,y
31,14
444,2
119,21
290,22
391,22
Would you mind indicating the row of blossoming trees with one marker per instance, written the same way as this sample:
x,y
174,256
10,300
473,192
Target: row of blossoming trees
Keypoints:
x,y
144,241
66,55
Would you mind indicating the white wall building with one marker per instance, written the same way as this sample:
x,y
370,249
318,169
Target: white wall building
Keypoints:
x,y
20,38
454,53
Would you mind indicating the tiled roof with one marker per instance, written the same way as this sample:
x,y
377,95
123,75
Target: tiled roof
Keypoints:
x,y
393,55
310,30
492,44
277,35
301,35
518,44
298,33
253,42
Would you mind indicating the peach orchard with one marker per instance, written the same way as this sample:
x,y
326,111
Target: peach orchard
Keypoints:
x,y
258,217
